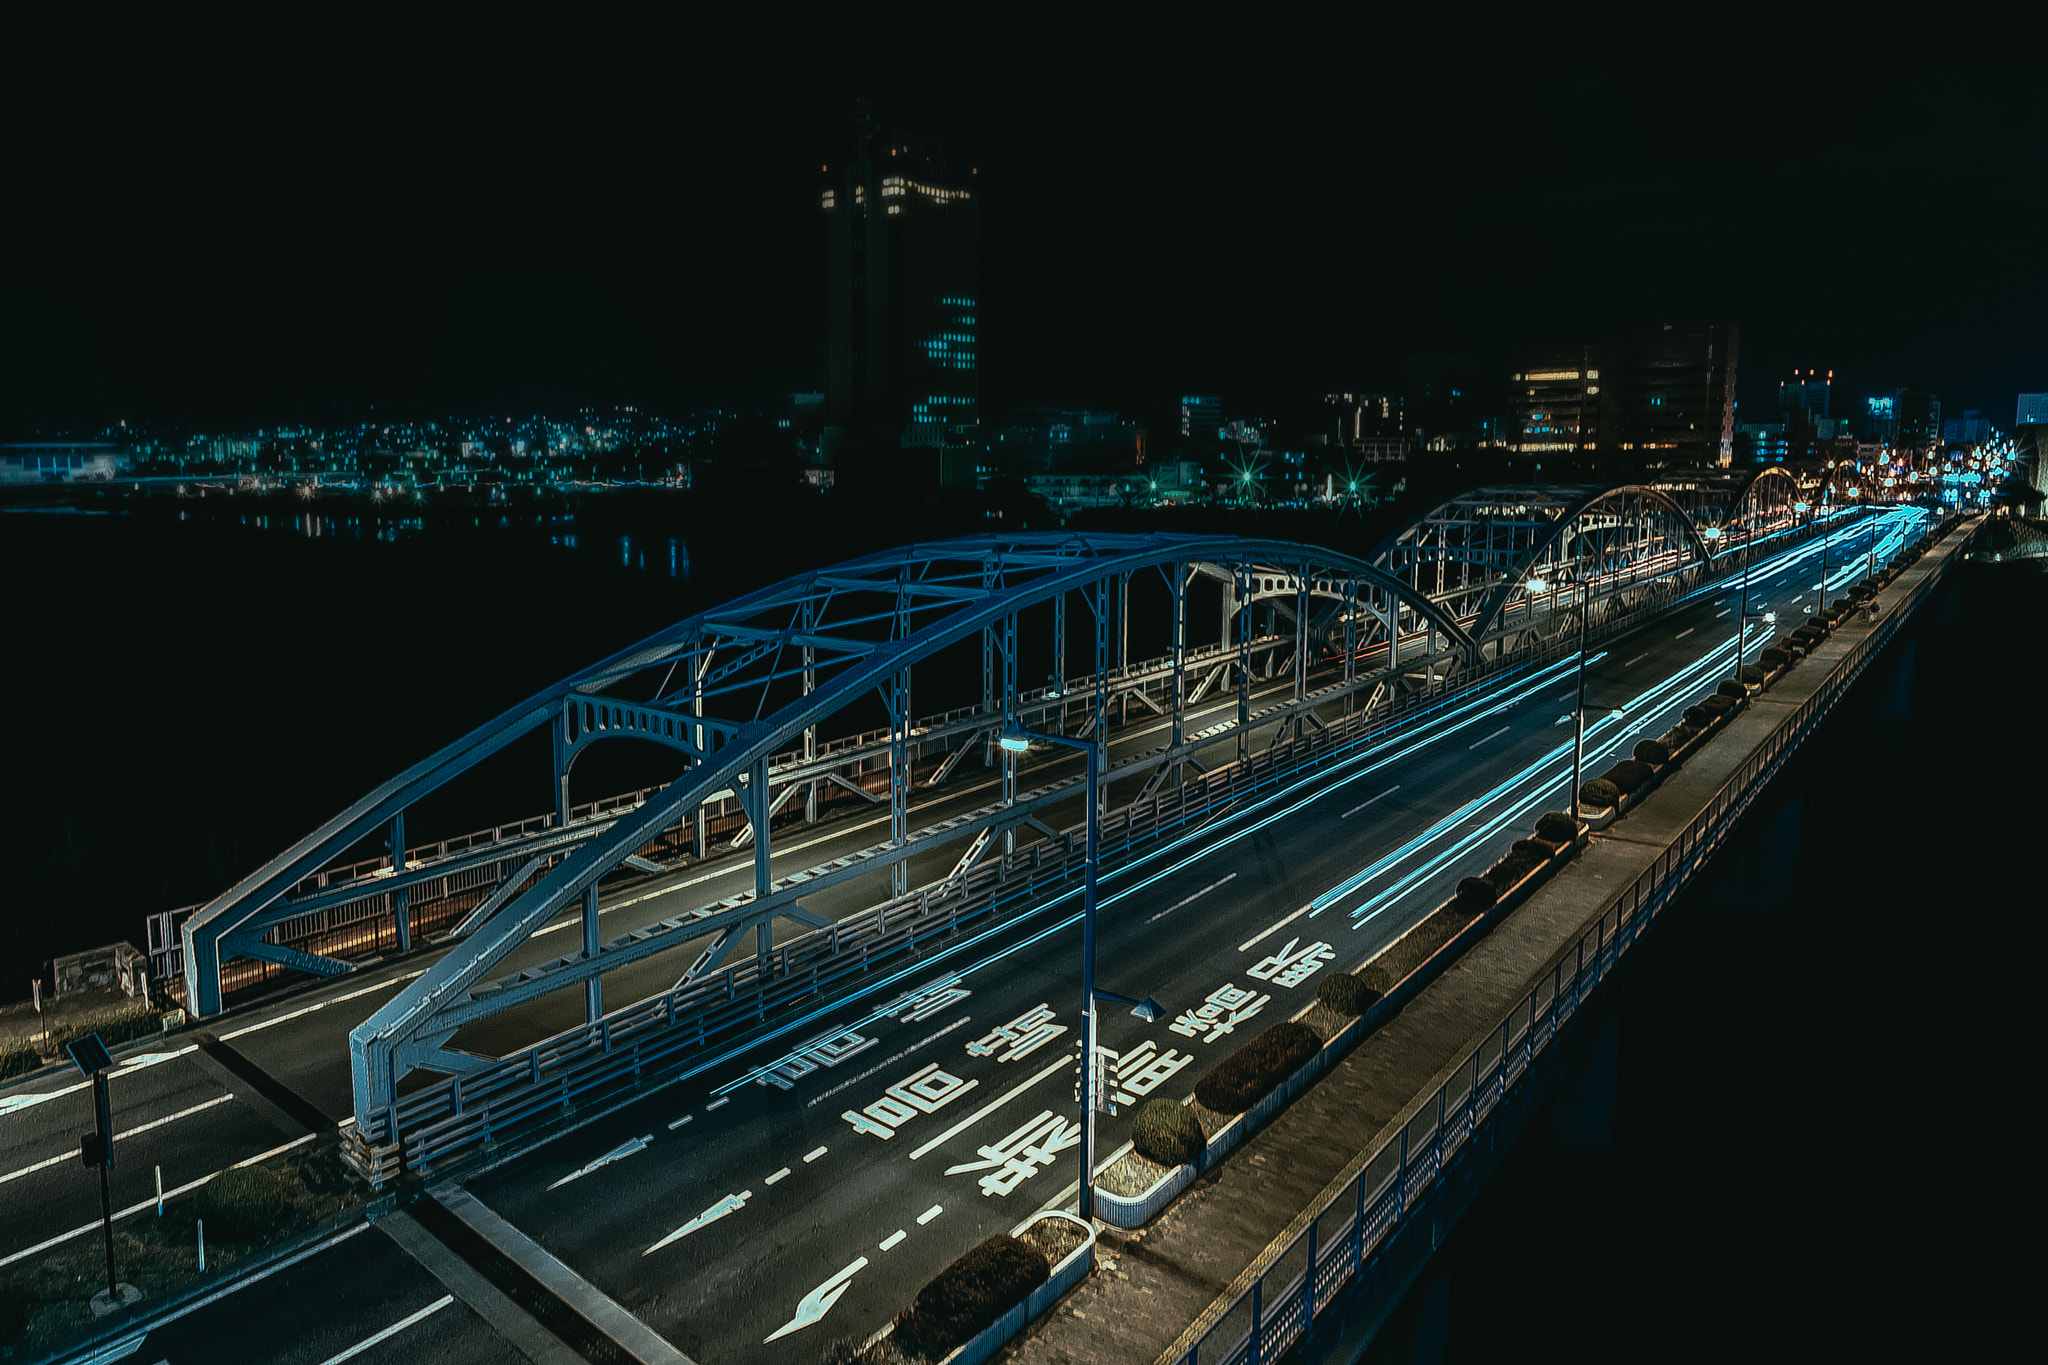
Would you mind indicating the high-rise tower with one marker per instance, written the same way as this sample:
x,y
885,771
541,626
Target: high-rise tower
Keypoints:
x,y
903,290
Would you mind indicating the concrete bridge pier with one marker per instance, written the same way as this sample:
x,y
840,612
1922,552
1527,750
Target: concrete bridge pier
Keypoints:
x,y
1579,1120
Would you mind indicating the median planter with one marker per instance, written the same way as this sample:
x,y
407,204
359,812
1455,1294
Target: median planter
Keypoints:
x,y
969,1309
1254,1071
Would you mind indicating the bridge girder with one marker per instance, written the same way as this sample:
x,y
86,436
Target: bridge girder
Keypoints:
x,y
729,689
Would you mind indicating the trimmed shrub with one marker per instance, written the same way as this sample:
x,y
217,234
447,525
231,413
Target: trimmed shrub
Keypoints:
x,y
1731,689
1774,657
1652,752
1346,994
247,1201
1678,736
1752,674
1529,848
1717,705
1629,774
1475,894
1599,792
968,1296
1249,1074
1697,717
1513,868
1557,827
1165,1132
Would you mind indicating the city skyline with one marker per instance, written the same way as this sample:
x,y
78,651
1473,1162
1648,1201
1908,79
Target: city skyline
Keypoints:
x,y
1157,220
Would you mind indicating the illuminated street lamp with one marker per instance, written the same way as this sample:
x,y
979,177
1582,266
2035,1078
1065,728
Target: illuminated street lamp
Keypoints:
x,y
1017,740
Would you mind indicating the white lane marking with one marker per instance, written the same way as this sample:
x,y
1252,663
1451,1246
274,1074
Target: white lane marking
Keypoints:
x,y
1723,612
1190,900
816,1303
319,1005
119,1136
889,1062
14,1104
732,1203
1796,598
618,1153
393,1330
1683,633
990,1107
150,1203
1633,662
721,1100
1495,735
778,1175
1363,804
809,1157
930,1213
1274,929
681,1121
892,1239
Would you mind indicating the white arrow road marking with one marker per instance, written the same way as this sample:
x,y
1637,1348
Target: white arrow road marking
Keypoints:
x,y
816,1303
1561,719
732,1203
618,1153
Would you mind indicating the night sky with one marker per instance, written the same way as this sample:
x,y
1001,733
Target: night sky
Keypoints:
x,y
245,216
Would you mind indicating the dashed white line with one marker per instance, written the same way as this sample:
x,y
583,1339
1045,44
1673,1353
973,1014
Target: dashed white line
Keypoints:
x,y
1633,662
1190,900
393,1330
930,1213
680,1122
779,1175
120,1136
1495,735
150,1203
720,1101
892,1239
809,1157
1274,929
1723,612
1363,804
1683,633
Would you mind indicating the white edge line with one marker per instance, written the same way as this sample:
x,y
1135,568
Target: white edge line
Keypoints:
x,y
242,1283
393,1330
319,1005
1363,804
1190,900
980,1113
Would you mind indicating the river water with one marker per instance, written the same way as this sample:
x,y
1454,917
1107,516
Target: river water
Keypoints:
x,y
1816,1088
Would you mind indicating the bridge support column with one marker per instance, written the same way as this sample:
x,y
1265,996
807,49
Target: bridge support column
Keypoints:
x,y
1100,724
761,819
1009,717
1579,1120
810,731
401,909
1180,663
1301,651
593,989
1244,663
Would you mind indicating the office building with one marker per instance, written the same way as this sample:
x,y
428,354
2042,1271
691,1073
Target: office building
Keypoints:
x,y
1563,402
2033,410
62,462
903,290
1201,417
1680,396
1919,419
1806,392
1973,428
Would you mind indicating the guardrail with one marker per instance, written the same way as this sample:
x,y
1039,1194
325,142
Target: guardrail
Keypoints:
x,y
1278,1298
644,1041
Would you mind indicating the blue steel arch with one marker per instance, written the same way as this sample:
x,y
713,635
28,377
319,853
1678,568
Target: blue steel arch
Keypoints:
x,y
961,588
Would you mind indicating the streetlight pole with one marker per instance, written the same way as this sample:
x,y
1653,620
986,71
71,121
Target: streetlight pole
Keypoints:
x,y
1017,740
1742,615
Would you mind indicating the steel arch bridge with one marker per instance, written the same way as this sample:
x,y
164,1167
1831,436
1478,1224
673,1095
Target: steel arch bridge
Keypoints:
x,y
738,695
1515,563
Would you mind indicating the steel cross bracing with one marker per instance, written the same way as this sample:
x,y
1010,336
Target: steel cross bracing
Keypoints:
x,y
1516,565
728,691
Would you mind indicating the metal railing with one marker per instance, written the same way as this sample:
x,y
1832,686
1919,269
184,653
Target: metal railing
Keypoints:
x,y
1316,1259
